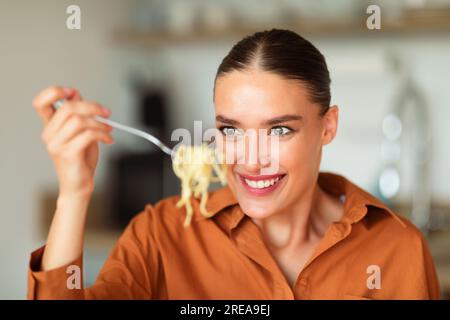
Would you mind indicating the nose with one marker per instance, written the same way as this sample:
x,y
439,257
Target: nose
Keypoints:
x,y
256,155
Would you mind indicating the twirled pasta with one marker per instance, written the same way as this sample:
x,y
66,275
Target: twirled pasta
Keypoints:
x,y
196,166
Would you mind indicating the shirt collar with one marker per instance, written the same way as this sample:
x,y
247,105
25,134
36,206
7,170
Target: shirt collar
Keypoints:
x,y
357,200
217,201
356,203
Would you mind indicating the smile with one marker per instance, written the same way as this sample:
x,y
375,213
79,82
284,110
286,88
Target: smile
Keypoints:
x,y
261,185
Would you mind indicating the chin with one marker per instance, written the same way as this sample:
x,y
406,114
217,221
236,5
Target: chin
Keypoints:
x,y
256,211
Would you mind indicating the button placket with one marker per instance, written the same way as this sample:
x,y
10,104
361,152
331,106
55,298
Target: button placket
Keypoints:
x,y
302,288
303,281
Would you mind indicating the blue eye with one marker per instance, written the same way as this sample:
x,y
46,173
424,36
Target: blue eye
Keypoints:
x,y
280,131
230,131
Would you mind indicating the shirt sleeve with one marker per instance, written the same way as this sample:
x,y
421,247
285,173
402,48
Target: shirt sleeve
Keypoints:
x,y
129,272
420,273
429,280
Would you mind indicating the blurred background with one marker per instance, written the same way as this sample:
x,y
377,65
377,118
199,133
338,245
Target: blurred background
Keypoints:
x,y
153,63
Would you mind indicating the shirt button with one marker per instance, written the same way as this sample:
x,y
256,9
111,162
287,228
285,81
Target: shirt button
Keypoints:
x,y
303,281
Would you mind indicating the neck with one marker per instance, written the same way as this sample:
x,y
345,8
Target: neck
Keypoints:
x,y
305,221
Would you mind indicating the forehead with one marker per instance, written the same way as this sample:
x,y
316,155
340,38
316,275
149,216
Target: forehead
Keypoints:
x,y
259,93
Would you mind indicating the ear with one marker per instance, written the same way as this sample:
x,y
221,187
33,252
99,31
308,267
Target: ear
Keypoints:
x,y
330,123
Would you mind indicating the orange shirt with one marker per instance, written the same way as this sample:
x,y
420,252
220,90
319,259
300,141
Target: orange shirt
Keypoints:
x,y
371,253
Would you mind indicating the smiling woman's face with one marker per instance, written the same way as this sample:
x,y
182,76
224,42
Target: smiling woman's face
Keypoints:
x,y
254,99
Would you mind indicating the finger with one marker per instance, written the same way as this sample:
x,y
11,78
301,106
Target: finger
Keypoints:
x,y
84,139
76,96
43,102
76,125
73,108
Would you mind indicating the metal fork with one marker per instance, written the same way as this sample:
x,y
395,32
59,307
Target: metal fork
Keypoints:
x,y
128,129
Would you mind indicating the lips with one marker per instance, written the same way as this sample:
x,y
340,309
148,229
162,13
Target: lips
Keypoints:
x,y
261,184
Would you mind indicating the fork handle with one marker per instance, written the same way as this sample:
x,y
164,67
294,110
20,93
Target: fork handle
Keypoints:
x,y
128,129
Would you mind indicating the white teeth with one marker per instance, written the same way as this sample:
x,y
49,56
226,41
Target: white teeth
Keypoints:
x,y
251,183
260,184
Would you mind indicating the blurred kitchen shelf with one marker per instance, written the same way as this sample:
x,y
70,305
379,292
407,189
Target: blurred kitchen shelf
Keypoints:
x,y
409,25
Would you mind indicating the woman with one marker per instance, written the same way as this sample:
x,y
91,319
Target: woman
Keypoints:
x,y
295,234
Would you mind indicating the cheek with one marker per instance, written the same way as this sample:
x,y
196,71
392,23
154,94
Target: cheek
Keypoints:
x,y
299,154
231,178
292,157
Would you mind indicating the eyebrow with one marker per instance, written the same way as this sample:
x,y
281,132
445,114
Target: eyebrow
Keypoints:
x,y
284,118
269,122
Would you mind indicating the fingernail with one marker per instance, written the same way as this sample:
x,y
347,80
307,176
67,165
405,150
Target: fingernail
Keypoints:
x,y
68,92
106,111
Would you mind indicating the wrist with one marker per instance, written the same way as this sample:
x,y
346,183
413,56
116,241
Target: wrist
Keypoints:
x,y
73,200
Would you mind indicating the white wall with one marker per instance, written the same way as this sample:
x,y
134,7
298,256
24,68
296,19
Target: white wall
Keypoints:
x,y
364,88
37,50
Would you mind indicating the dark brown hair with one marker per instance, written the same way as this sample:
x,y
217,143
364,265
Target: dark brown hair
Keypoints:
x,y
287,54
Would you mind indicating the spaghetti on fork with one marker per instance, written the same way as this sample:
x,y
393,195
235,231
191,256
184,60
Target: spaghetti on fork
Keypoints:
x,y
197,167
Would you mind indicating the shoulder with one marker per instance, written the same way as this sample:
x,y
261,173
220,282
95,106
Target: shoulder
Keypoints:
x,y
393,237
401,251
163,214
378,219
